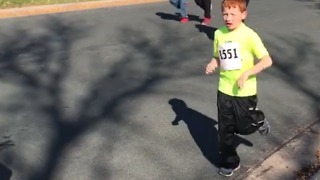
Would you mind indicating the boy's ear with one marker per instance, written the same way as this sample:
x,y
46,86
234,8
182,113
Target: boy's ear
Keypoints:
x,y
244,14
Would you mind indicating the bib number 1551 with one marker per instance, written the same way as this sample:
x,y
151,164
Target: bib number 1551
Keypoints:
x,y
229,56
228,53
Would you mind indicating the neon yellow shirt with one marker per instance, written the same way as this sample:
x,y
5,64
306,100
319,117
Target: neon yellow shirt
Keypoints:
x,y
236,51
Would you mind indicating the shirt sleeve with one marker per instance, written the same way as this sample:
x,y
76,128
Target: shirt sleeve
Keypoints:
x,y
258,48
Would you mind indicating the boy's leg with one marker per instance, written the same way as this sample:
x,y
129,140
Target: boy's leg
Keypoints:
x,y
248,118
242,107
229,157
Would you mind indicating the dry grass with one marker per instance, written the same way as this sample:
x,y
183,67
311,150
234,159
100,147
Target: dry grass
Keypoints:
x,y
23,3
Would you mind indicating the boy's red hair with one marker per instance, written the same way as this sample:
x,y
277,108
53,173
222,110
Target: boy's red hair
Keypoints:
x,y
234,3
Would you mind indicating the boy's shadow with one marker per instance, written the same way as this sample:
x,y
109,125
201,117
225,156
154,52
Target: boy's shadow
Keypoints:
x,y
175,17
5,173
202,129
209,31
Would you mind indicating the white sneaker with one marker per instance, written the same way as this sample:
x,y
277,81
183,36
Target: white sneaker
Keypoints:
x,y
228,171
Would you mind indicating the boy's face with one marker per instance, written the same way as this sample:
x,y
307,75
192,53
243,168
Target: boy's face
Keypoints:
x,y
233,17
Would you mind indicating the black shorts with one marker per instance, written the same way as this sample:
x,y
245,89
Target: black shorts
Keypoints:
x,y
239,112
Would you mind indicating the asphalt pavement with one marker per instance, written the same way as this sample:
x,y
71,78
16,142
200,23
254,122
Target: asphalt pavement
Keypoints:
x,y
91,95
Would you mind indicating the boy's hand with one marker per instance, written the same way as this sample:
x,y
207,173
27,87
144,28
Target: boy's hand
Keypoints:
x,y
242,79
211,67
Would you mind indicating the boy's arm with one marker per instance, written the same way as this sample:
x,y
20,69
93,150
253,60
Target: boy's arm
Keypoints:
x,y
263,63
212,65
214,62
262,54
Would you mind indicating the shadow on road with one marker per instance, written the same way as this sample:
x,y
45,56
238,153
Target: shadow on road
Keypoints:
x,y
313,4
5,173
202,129
175,17
209,31
42,65
6,144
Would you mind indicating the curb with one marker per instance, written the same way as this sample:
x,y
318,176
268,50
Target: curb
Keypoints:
x,y
59,8
285,162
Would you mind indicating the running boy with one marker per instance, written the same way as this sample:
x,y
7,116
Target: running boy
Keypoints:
x,y
181,6
235,46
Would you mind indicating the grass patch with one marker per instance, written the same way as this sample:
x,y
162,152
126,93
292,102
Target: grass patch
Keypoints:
x,y
23,3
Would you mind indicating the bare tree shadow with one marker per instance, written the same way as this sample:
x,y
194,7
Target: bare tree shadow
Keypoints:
x,y
209,31
175,17
202,129
5,173
313,4
41,65
6,144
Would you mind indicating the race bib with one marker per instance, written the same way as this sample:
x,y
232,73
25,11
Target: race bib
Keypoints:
x,y
229,55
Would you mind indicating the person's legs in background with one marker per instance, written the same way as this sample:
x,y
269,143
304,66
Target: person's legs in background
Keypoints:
x,y
199,3
207,12
183,11
175,3
181,6
247,2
